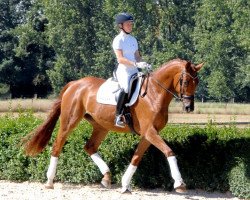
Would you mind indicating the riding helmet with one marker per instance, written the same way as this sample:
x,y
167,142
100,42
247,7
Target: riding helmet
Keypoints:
x,y
123,17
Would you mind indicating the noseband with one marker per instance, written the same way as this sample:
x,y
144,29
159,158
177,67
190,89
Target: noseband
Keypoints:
x,y
182,96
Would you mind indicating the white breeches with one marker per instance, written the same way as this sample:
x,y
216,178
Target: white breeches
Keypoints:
x,y
123,75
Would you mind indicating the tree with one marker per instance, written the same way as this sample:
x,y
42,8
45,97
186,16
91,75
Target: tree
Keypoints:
x,y
241,30
12,69
87,32
175,29
45,44
33,50
70,32
218,87
216,44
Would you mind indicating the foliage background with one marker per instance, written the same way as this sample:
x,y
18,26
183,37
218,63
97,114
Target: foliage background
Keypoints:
x,y
45,44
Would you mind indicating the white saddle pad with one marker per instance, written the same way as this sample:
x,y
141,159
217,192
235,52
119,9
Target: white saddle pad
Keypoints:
x,y
109,92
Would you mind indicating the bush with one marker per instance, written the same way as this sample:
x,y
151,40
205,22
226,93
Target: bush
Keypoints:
x,y
239,179
209,157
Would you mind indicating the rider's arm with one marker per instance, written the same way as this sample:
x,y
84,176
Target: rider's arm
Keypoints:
x,y
138,57
121,59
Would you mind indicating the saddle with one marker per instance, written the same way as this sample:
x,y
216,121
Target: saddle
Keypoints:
x,y
109,91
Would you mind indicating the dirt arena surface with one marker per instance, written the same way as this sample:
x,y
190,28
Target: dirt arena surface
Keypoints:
x,y
36,191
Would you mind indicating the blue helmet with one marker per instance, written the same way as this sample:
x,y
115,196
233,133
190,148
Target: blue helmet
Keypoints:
x,y
123,17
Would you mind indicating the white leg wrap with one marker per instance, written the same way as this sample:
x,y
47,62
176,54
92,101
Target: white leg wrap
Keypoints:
x,y
176,175
126,179
100,163
52,169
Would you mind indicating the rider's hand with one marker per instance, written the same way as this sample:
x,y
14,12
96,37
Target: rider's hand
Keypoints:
x,y
143,65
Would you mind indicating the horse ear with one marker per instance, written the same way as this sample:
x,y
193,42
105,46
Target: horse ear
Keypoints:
x,y
198,67
188,66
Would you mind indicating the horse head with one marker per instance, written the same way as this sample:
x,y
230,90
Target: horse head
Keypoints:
x,y
186,82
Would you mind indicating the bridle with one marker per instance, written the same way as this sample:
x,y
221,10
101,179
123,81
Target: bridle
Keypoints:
x,y
181,96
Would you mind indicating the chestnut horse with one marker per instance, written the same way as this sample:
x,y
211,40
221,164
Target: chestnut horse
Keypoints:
x,y
77,101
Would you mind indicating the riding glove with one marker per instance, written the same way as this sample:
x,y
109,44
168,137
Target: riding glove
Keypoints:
x,y
143,65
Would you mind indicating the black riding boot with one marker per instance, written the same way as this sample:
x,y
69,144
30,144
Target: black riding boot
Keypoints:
x,y
119,109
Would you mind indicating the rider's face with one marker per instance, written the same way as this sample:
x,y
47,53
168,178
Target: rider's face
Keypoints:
x,y
128,26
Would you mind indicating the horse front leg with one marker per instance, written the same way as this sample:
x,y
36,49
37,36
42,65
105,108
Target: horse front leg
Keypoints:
x,y
140,150
154,138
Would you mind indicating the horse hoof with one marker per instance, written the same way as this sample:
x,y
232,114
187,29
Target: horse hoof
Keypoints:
x,y
106,183
181,189
48,186
126,191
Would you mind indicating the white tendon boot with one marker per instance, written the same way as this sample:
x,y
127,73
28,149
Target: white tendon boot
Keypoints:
x,y
126,179
179,185
103,168
51,172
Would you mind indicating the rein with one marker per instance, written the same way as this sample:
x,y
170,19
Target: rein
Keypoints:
x,y
167,90
145,76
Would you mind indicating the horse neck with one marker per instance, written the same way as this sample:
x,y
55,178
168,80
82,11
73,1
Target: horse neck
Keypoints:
x,y
165,76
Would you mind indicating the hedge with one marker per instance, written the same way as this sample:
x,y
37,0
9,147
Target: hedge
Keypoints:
x,y
210,158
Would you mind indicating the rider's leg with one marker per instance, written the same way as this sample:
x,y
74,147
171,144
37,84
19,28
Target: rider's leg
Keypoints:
x,y
123,76
119,109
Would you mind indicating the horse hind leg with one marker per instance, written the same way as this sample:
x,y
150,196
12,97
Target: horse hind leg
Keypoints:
x,y
91,147
68,121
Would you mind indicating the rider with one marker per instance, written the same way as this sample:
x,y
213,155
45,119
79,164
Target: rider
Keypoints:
x,y
129,60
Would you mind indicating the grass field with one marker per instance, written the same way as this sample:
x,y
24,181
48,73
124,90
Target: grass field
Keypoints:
x,y
43,105
214,108
204,112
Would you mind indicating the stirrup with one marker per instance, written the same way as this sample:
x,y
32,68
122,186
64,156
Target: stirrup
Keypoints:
x,y
119,122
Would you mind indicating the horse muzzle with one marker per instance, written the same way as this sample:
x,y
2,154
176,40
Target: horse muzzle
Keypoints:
x,y
188,103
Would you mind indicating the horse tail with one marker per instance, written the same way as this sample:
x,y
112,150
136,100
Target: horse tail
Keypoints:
x,y
36,141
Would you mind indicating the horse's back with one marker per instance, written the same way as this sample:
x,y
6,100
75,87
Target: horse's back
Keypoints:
x,y
90,81
86,83
86,86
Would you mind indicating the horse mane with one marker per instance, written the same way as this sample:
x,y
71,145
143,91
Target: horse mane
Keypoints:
x,y
170,63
